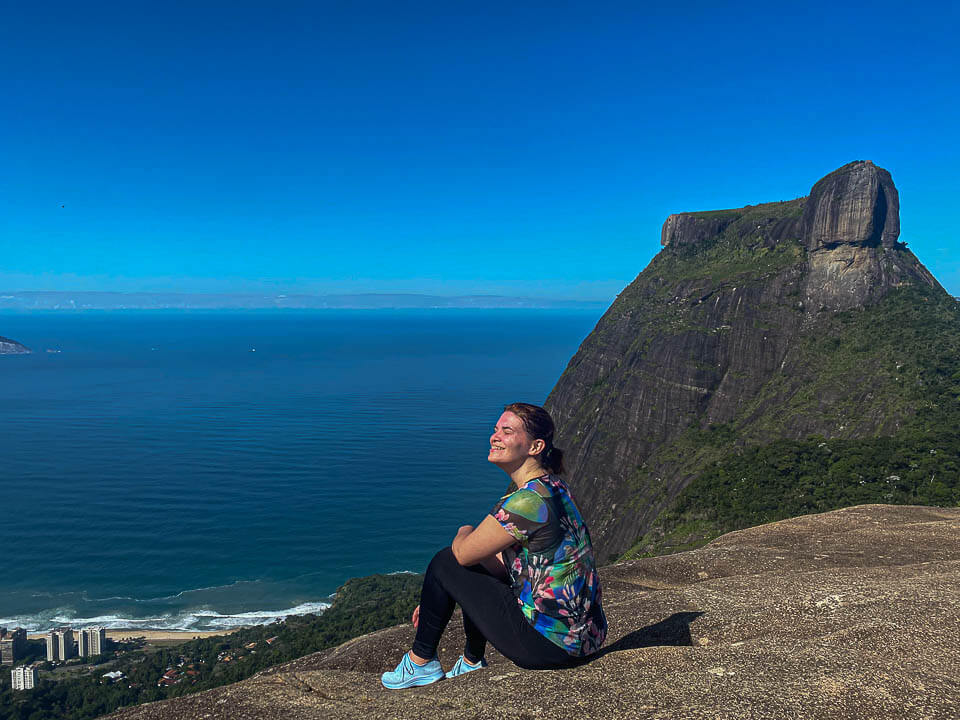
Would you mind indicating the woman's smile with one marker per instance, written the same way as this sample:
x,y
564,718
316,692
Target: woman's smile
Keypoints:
x,y
510,442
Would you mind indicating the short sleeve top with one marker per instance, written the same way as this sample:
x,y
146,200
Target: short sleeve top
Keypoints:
x,y
551,566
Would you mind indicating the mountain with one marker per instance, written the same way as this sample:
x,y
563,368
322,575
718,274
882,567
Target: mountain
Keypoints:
x,y
848,615
772,360
12,347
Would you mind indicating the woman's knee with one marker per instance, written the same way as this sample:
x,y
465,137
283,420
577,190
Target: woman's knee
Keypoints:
x,y
442,563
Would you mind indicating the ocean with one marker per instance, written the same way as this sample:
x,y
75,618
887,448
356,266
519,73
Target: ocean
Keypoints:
x,y
205,470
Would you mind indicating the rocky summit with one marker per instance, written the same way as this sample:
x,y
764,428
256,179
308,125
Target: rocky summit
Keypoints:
x,y
790,320
853,613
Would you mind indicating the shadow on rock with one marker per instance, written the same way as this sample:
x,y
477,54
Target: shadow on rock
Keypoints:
x,y
675,630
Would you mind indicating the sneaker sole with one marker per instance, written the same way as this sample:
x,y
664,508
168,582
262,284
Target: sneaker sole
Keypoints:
x,y
413,682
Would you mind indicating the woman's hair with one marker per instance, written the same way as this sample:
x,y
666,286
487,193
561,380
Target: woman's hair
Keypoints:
x,y
538,424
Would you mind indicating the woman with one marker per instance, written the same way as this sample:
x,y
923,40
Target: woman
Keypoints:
x,y
525,578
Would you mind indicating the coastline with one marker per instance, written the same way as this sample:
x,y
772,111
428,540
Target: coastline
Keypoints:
x,y
129,633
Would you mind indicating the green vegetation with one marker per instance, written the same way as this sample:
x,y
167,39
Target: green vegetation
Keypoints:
x,y
771,210
889,366
895,365
748,251
734,214
362,605
729,259
789,478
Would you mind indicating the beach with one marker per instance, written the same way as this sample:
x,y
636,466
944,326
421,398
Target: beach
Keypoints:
x,y
149,635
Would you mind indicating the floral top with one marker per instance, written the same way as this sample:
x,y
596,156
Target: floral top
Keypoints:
x,y
551,566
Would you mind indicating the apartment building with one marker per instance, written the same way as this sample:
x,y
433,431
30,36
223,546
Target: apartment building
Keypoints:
x,y
60,645
12,645
23,677
91,641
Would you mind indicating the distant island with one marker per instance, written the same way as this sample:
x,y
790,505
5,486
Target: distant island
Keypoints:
x,y
12,347
47,300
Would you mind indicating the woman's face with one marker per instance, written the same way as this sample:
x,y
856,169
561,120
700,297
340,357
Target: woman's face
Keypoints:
x,y
510,445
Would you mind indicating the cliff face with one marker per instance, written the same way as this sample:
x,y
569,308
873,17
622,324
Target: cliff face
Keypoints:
x,y
728,327
848,614
850,226
12,347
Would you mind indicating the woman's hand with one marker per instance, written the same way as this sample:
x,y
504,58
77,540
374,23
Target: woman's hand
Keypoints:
x,y
471,545
416,616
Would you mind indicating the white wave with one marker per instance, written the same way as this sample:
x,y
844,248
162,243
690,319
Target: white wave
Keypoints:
x,y
180,594
183,593
198,620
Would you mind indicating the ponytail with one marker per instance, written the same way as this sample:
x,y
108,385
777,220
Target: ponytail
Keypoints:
x,y
552,459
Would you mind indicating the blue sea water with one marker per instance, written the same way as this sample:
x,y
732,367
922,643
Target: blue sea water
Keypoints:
x,y
206,470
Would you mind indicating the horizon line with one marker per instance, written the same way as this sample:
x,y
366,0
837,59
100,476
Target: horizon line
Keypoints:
x,y
107,300
251,293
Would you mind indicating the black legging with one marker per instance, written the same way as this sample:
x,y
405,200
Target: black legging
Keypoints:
x,y
490,613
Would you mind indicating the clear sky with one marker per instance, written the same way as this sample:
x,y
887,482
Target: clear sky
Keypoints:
x,y
519,148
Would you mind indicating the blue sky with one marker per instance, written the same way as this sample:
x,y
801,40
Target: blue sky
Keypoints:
x,y
505,148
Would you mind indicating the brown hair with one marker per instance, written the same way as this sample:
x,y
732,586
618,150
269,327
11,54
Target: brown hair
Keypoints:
x,y
538,424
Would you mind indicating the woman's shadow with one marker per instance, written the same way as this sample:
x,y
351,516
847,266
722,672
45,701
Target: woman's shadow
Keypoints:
x,y
674,630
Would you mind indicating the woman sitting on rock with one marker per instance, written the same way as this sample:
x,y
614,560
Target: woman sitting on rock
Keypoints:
x,y
525,578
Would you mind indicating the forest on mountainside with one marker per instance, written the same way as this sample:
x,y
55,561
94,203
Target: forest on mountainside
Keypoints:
x,y
914,333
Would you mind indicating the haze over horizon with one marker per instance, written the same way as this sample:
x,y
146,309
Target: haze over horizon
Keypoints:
x,y
94,300
527,151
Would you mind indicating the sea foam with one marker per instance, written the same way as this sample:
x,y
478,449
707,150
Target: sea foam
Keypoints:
x,y
187,620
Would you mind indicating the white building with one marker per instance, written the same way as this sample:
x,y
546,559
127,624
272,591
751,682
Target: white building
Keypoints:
x,y
98,640
60,645
23,677
91,641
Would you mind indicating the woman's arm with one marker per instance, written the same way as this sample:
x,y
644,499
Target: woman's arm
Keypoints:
x,y
482,544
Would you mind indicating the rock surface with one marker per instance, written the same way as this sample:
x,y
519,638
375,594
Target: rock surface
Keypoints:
x,y
855,205
722,329
848,614
689,229
12,347
850,226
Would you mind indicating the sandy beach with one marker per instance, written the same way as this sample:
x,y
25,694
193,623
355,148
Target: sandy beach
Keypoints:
x,y
166,635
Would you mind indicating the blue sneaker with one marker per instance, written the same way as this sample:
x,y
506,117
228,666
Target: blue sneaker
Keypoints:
x,y
463,666
409,674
